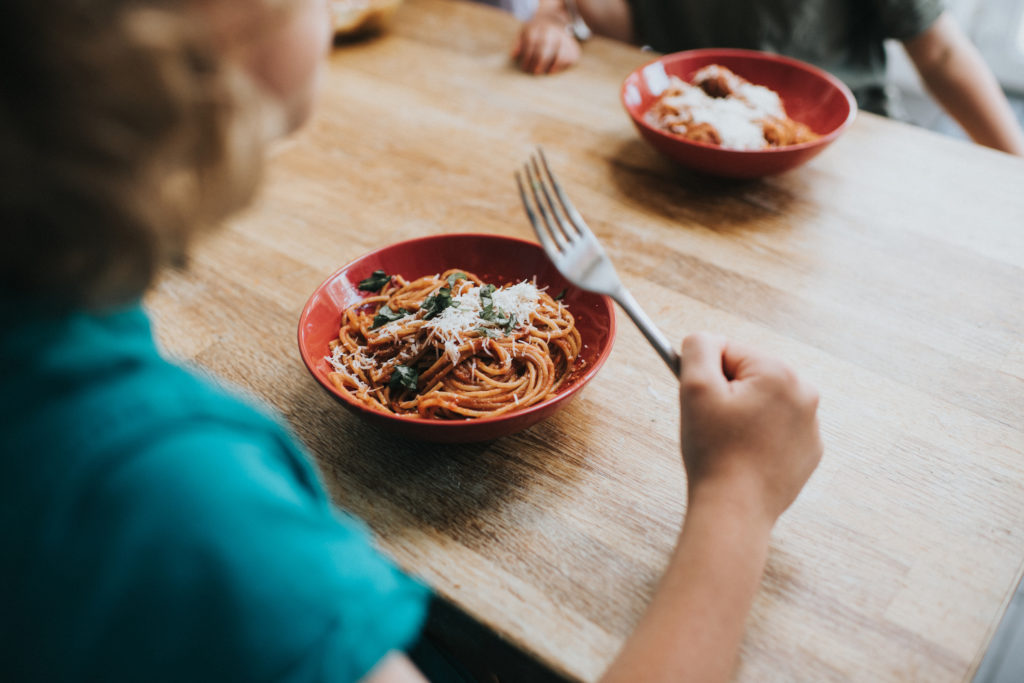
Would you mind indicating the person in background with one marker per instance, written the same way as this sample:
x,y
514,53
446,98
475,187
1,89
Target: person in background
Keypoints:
x,y
522,9
844,37
158,527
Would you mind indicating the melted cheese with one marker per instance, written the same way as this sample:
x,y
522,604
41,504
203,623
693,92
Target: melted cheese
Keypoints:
x,y
737,118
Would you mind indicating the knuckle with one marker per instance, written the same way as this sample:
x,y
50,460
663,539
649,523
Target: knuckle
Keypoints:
x,y
808,396
788,377
785,381
697,338
813,398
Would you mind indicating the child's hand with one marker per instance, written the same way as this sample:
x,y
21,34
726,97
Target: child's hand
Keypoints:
x,y
544,46
749,425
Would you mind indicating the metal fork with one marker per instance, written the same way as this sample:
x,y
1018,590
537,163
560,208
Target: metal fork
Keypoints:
x,y
574,250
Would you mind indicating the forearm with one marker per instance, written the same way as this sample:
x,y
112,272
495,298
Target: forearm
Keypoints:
x,y
694,625
957,76
553,9
394,668
608,18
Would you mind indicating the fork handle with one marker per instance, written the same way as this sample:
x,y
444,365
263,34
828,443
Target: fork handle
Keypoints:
x,y
649,330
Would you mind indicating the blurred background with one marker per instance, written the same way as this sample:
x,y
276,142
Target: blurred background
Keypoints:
x,y
995,26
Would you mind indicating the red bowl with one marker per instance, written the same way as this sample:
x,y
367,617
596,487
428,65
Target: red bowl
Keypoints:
x,y
810,95
494,259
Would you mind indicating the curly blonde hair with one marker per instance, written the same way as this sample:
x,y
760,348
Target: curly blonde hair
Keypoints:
x,y
124,130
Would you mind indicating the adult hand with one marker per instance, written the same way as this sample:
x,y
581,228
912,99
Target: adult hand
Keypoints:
x,y
749,425
544,46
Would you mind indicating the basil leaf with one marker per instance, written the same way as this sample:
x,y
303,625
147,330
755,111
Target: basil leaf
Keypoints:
x,y
487,302
509,324
436,303
488,332
455,277
485,296
404,377
375,282
561,295
385,315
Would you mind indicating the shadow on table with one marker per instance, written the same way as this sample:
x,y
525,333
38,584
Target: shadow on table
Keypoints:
x,y
445,486
655,184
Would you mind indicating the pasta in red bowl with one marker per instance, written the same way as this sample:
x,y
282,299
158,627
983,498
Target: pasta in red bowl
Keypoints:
x,y
737,113
454,338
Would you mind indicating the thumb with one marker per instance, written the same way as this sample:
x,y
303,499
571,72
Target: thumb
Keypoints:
x,y
702,360
741,362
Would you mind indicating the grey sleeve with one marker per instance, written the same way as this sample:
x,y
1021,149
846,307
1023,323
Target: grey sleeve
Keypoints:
x,y
905,19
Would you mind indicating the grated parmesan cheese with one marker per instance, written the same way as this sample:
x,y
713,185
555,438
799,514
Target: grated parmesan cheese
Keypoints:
x,y
362,361
449,326
737,118
463,315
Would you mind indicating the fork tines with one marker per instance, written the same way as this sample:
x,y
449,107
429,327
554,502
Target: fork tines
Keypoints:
x,y
556,223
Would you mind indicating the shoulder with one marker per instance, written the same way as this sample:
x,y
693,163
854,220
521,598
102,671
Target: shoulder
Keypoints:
x,y
204,552
172,531
904,19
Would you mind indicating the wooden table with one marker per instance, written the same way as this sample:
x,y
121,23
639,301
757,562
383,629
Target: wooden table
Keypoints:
x,y
890,271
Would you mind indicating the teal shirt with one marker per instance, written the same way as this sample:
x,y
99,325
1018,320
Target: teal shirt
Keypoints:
x,y
844,37
156,528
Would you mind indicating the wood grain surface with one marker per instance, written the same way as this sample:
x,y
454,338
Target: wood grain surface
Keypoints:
x,y
889,271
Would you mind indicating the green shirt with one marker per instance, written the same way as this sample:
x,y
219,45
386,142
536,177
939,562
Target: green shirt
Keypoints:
x,y
844,37
157,528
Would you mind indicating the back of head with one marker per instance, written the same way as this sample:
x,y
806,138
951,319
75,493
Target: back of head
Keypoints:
x,y
123,131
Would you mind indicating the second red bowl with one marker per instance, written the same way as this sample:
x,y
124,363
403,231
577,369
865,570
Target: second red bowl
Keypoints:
x,y
810,95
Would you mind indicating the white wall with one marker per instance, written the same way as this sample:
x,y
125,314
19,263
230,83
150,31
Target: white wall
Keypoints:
x,y
995,26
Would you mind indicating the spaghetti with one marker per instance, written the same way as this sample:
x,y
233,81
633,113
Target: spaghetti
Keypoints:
x,y
722,108
450,346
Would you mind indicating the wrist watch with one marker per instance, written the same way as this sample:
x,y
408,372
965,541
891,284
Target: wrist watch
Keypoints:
x,y
577,27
